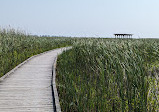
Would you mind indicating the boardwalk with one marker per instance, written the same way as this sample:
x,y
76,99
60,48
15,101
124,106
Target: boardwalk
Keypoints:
x,y
28,89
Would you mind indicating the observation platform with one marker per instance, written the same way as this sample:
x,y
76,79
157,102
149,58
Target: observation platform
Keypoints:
x,y
123,35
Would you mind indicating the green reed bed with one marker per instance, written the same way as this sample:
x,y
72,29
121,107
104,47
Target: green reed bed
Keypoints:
x,y
16,46
109,75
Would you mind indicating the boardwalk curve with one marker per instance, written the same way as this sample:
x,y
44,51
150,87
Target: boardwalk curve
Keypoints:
x,y
28,87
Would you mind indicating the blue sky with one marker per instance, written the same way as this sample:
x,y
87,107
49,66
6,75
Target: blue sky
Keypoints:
x,y
97,18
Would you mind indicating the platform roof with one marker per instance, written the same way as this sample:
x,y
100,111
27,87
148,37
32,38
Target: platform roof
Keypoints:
x,y
123,34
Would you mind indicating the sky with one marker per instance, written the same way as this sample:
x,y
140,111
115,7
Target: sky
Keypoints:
x,y
82,18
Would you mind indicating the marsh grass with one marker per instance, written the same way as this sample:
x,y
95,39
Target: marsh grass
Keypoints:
x,y
109,75
17,46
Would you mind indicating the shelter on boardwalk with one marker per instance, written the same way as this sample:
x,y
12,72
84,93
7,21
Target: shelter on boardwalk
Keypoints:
x,y
123,35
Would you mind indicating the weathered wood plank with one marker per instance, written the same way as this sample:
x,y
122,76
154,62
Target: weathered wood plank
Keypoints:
x,y
28,88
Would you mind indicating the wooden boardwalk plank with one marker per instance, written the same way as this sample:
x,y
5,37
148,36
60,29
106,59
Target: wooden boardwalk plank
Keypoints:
x,y
28,89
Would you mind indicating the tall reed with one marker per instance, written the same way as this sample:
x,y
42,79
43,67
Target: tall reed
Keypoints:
x,y
109,75
16,46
